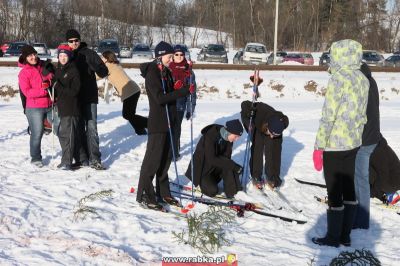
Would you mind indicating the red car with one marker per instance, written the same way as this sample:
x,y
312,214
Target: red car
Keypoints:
x,y
294,58
5,46
302,58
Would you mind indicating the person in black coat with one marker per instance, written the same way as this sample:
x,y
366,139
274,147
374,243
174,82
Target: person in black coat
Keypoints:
x,y
266,140
370,138
67,85
158,157
212,159
88,63
384,170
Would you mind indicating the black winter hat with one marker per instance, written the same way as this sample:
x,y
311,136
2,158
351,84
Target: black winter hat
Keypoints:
x,y
178,48
163,48
234,127
25,51
71,34
275,125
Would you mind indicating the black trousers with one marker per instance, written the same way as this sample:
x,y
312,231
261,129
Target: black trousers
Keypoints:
x,y
69,138
339,176
178,131
261,146
209,182
156,162
129,112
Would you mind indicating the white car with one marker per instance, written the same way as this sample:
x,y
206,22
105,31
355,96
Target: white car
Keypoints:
x,y
41,49
255,53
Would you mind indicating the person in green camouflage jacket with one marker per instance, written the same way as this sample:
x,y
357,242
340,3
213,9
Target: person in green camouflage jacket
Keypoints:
x,y
339,136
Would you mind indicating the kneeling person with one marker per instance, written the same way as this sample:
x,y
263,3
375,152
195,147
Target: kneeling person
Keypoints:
x,y
212,159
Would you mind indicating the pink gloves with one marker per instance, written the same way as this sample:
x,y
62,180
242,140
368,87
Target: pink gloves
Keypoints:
x,y
317,158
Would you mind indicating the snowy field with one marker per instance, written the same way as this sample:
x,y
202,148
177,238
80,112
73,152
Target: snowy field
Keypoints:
x,y
37,225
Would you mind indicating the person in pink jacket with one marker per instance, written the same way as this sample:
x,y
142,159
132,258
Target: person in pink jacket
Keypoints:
x,y
34,81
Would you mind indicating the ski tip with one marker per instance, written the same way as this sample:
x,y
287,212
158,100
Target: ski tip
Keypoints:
x,y
132,190
184,210
190,206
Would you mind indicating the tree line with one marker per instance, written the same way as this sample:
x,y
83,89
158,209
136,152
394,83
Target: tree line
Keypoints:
x,y
304,25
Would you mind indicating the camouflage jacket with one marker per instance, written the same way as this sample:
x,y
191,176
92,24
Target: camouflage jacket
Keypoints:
x,y
344,110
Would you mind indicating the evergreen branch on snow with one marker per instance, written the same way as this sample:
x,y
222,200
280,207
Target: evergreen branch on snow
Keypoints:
x,y
82,210
206,231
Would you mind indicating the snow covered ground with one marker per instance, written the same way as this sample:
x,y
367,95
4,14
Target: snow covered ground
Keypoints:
x,y
37,207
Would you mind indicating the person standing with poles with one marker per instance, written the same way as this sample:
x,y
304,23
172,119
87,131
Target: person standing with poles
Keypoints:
x,y
162,94
182,70
89,64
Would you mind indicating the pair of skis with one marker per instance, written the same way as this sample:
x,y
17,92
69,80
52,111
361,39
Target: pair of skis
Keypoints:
x,y
324,200
239,206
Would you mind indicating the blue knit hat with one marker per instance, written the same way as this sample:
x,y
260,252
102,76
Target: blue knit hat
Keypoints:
x,y
163,48
234,127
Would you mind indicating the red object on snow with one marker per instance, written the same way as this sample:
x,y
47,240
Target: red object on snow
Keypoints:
x,y
132,190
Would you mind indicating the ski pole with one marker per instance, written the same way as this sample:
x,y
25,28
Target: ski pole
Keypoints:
x,y
191,132
249,133
52,98
160,66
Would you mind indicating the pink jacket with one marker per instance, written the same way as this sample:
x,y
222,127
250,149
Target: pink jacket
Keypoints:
x,y
30,80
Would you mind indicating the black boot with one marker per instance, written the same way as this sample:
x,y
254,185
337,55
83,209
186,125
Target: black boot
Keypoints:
x,y
332,238
349,215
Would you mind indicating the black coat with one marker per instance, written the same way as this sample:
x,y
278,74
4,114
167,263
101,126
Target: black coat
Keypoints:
x,y
89,64
262,113
157,121
384,170
67,86
371,133
212,151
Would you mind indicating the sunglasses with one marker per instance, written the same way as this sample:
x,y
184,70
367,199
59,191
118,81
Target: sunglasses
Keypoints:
x,y
73,40
178,54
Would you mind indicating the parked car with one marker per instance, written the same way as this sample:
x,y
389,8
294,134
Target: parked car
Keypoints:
x,y
308,59
185,50
372,58
5,46
213,53
42,50
294,57
255,53
238,58
392,61
125,51
142,51
109,45
325,59
279,57
15,49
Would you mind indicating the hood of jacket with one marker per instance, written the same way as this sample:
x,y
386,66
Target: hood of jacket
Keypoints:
x,y
345,54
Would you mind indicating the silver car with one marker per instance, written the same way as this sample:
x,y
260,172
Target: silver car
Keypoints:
x,y
125,52
142,52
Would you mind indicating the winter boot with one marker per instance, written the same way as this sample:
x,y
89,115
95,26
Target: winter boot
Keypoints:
x,y
349,214
258,182
335,221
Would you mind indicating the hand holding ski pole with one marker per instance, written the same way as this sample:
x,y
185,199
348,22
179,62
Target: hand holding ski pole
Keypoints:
x,y
256,79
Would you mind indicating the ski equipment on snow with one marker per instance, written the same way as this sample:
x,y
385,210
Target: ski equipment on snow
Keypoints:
x,y
310,183
256,81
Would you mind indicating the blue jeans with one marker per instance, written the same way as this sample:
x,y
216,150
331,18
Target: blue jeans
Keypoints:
x,y
89,135
35,118
361,184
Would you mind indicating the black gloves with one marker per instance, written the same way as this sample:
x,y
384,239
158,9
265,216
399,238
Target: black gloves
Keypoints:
x,y
48,68
238,169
